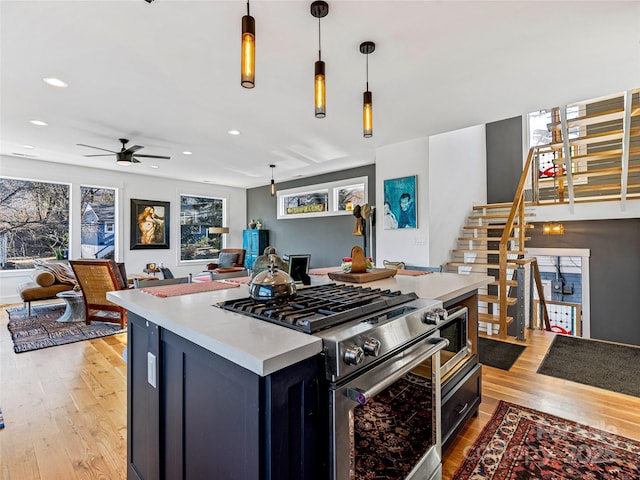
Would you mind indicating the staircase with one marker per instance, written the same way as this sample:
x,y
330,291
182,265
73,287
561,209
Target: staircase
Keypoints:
x,y
479,252
593,155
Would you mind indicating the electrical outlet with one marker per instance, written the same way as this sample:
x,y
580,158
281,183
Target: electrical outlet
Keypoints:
x,y
567,290
556,286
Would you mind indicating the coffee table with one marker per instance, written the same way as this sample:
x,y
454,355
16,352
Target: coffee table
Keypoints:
x,y
74,311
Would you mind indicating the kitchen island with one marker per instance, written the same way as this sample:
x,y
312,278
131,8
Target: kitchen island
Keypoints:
x,y
214,391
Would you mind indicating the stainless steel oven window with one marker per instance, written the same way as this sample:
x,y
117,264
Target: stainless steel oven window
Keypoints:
x,y
455,329
355,406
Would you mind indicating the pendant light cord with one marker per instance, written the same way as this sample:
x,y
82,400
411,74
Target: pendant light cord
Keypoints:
x,y
367,72
319,42
248,14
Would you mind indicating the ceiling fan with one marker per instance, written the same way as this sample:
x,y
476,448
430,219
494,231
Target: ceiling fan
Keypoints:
x,y
126,156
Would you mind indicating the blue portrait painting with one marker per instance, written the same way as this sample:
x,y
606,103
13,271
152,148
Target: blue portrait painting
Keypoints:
x,y
400,203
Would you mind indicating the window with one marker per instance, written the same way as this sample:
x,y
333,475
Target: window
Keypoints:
x,y
98,207
34,222
326,199
197,215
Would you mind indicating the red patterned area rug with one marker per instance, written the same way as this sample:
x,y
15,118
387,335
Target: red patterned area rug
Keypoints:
x,y
521,443
41,330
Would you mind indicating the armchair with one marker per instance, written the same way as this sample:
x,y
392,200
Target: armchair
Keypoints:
x,y
226,259
96,278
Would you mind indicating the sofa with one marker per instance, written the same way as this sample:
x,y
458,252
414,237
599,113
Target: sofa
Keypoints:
x,y
44,285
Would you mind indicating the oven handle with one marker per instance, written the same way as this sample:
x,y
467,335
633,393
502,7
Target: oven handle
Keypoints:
x,y
361,396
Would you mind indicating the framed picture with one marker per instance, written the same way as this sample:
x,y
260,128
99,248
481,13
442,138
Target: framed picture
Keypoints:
x,y
149,224
400,203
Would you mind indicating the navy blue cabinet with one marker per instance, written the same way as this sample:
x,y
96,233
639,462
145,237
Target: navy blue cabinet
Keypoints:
x,y
207,417
254,242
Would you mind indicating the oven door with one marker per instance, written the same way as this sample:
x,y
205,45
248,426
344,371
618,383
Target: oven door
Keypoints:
x,y
386,421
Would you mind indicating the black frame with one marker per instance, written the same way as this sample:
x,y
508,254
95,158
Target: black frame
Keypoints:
x,y
292,262
158,241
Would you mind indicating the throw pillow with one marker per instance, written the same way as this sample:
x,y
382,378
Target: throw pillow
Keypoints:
x,y
62,271
226,260
44,278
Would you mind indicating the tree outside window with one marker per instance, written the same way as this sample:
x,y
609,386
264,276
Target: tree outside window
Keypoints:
x,y
197,214
34,222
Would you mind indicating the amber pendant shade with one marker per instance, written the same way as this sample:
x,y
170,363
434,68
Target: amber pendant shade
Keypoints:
x,y
248,58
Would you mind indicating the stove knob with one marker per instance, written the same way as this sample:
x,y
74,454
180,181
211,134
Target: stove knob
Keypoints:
x,y
353,355
371,346
430,317
442,313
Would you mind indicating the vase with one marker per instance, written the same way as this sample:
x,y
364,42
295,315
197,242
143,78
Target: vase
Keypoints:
x,y
252,225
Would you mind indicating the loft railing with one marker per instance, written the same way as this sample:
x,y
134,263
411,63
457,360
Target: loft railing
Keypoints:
x,y
593,155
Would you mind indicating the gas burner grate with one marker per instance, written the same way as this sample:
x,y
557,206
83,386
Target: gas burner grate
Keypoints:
x,y
319,307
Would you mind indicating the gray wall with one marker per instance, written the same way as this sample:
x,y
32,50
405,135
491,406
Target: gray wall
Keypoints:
x,y
614,271
504,159
327,239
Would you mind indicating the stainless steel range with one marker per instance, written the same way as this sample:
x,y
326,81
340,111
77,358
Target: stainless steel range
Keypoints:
x,y
381,357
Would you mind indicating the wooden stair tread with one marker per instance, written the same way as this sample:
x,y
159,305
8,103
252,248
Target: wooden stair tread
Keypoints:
x,y
506,205
491,226
612,135
601,188
488,239
489,318
490,252
510,283
496,299
597,172
476,264
591,119
606,155
497,216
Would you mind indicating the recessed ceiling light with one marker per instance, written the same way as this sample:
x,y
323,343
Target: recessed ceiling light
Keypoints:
x,y
28,146
234,132
55,82
155,166
40,123
187,153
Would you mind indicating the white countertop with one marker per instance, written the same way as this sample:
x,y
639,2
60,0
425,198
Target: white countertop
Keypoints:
x,y
256,345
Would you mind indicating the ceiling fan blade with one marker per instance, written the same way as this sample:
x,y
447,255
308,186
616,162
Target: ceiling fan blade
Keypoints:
x,y
133,149
135,160
97,148
100,155
153,156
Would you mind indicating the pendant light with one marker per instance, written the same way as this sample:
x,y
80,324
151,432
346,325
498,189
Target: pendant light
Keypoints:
x,y
273,183
319,10
367,103
248,53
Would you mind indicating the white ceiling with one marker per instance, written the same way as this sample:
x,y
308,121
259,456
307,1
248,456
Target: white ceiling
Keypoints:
x,y
165,75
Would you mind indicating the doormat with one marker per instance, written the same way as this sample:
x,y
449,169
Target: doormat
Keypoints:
x,y
498,354
595,363
41,330
522,443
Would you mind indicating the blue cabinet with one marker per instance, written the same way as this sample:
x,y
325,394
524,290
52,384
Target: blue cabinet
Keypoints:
x,y
254,242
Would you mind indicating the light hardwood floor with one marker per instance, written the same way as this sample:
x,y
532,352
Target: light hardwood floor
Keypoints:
x,y
64,410
65,407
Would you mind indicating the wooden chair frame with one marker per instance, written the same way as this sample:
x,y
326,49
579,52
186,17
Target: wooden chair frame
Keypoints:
x,y
96,278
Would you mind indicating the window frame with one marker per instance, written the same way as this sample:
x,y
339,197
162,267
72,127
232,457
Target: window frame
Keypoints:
x,y
223,222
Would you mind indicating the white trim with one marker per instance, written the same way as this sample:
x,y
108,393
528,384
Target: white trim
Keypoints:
x,y
584,253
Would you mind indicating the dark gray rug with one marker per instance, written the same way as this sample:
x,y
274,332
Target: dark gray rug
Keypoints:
x,y
591,362
41,330
498,354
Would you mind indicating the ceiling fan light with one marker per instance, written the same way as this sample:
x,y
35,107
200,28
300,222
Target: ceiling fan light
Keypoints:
x,y
248,49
